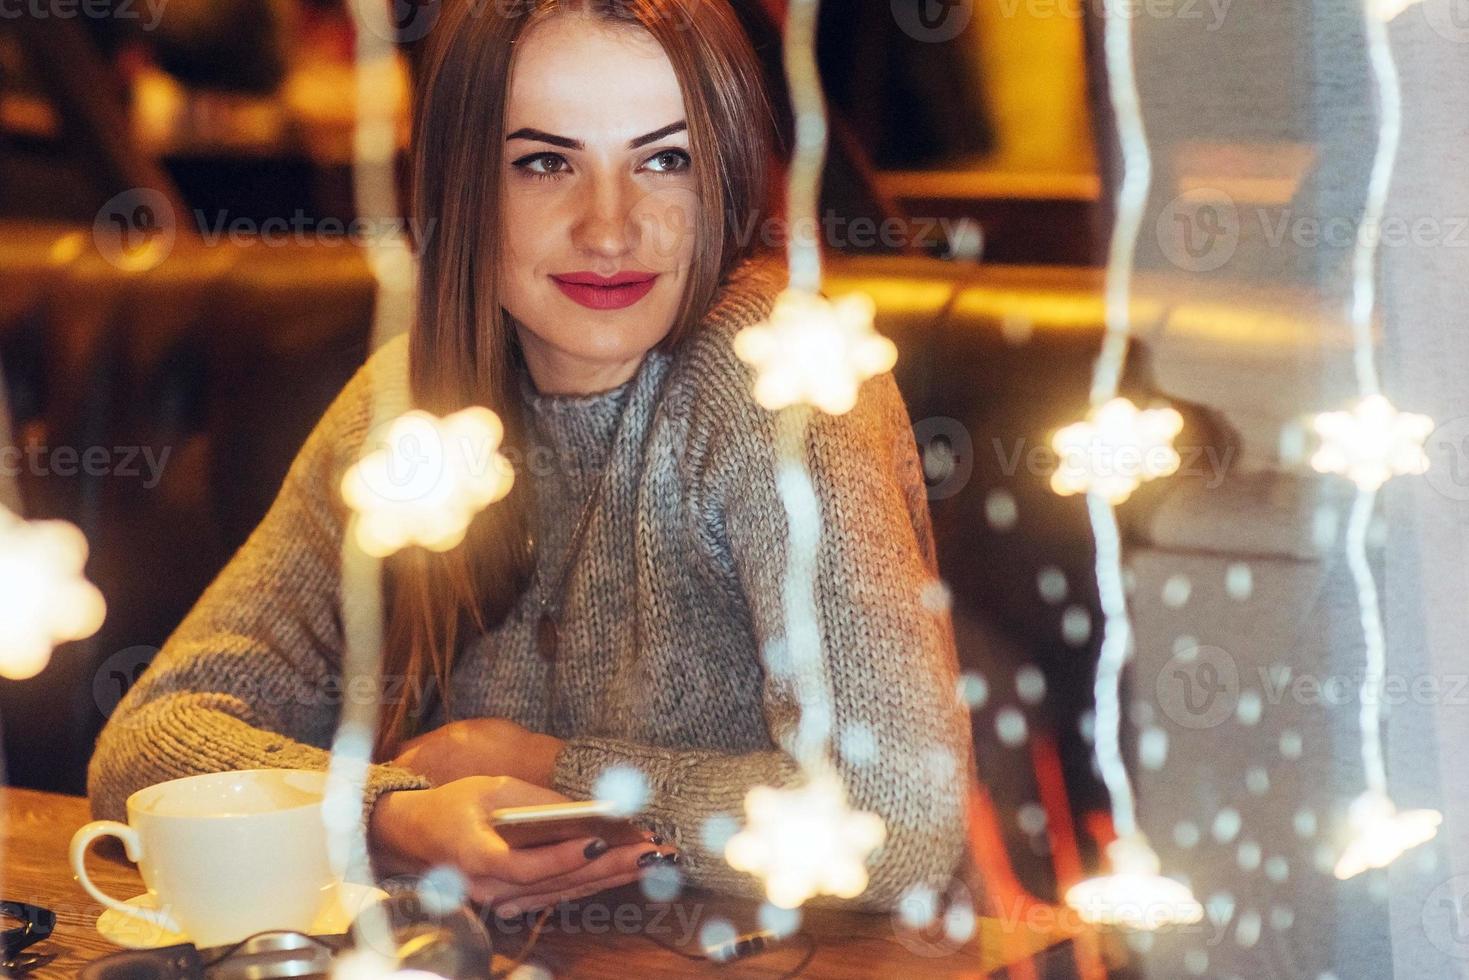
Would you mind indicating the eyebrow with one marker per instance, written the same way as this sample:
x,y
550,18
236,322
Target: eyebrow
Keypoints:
x,y
566,142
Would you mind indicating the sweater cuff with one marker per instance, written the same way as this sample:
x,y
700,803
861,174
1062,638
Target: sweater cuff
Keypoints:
x,y
381,779
582,761
686,789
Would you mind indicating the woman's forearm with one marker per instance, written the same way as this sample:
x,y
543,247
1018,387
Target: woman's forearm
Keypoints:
x,y
690,788
184,734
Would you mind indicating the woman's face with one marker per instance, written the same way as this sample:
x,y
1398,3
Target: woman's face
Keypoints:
x,y
598,201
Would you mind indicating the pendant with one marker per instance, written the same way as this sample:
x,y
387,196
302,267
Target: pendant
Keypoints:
x,y
548,638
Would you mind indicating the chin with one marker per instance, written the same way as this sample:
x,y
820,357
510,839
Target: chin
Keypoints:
x,y
608,334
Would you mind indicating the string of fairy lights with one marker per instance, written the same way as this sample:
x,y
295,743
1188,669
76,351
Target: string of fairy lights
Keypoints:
x,y
374,151
1369,445
809,356
1135,894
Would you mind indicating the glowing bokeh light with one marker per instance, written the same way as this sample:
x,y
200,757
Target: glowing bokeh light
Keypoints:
x,y
805,841
1381,833
426,480
815,351
1387,10
1372,443
1115,449
1134,896
44,597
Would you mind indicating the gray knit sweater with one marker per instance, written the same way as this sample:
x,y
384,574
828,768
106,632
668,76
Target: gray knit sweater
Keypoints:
x,y
675,594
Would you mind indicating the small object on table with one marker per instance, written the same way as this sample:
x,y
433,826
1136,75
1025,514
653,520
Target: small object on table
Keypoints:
x,y
261,957
181,962
37,924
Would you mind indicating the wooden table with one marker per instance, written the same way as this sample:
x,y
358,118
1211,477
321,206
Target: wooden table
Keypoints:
x,y
611,936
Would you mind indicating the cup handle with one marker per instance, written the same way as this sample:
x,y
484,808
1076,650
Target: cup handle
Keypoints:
x,y
82,840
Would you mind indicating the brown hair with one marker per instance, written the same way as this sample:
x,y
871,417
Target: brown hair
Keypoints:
x,y
461,346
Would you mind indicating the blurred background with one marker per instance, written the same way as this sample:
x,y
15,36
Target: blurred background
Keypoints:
x,y
183,290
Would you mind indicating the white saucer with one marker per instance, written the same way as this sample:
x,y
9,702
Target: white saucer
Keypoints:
x,y
335,918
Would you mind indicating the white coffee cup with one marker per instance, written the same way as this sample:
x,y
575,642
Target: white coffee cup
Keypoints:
x,y
224,855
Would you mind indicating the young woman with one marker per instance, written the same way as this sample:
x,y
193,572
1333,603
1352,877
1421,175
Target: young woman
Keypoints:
x,y
588,170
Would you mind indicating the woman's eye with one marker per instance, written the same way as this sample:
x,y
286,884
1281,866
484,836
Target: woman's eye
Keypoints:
x,y
669,162
543,164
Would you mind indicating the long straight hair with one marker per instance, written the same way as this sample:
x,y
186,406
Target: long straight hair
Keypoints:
x,y
461,344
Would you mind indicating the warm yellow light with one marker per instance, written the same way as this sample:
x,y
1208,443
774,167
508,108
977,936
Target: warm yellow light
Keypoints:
x,y
1117,447
1381,833
427,479
815,351
1372,443
1134,895
44,597
805,841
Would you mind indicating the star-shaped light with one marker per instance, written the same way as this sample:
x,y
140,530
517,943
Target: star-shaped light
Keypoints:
x,y
427,479
1134,895
1116,448
1372,443
815,351
44,598
1381,833
805,841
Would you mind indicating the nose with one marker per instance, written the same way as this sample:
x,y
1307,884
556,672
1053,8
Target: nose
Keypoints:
x,y
604,227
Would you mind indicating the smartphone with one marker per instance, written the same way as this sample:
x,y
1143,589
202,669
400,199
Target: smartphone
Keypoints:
x,y
551,823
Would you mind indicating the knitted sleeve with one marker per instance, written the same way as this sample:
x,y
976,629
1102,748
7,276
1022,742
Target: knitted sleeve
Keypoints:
x,y
900,736
251,678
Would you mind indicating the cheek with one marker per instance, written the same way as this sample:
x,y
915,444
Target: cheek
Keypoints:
x,y
667,220
528,230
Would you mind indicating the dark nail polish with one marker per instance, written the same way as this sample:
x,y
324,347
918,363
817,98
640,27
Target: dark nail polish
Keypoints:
x,y
649,859
595,849
657,839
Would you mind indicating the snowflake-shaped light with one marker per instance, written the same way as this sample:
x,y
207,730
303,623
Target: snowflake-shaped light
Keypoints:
x,y
427,479
1134,895
815,351
1372,443
1381,833
1116,448
44,598
805,841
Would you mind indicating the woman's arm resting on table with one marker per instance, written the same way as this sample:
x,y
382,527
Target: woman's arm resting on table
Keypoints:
x,y
251,678
889,655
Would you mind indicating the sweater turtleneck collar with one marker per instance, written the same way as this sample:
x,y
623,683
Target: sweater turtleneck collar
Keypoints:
x,y
579,429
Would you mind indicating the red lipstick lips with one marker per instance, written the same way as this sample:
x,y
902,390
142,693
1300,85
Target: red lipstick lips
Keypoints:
x,y
606,292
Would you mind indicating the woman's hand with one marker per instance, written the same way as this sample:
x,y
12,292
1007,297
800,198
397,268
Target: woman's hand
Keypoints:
x,y
412,830
481,747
